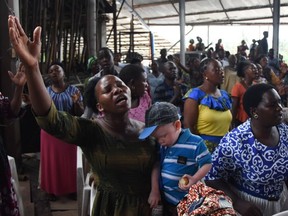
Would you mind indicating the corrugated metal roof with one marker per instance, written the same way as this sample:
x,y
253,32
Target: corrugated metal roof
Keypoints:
x,y
151,13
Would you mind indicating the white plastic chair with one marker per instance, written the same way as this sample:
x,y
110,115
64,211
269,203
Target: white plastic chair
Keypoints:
x,y
15,183
83,187
284,213
92,196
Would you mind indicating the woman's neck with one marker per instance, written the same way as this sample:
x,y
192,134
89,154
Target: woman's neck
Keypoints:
x,y
209,88
119,125
135,101
59,86
116,122
268,136
247,82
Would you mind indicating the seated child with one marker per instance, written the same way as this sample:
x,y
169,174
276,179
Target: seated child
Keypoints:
x,y
183,155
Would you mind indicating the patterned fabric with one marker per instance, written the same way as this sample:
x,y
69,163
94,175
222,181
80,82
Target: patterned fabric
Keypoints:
x,y
186,156
138,113
8,199
221,103
63,100
250,166
123,166
204,200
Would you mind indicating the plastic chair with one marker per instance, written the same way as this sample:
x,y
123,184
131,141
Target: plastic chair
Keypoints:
x,y
15,183
92,196
284,213
83,187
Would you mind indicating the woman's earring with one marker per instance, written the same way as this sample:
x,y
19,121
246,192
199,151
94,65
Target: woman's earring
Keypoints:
x,y
255,116
206,78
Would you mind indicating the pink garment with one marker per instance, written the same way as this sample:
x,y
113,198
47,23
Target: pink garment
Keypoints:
x,y
58,165
138,113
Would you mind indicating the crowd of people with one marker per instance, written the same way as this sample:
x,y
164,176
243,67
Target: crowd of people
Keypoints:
x,y
218,119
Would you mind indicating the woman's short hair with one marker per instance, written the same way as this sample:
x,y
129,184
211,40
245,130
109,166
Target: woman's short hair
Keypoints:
x,y
204,63
253,96
130,72
241,67
89,96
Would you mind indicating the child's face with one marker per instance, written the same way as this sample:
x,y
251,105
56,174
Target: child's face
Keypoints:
x,y
167,135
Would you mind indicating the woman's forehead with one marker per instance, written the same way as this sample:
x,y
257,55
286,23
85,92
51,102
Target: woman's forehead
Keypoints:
x,y
270,96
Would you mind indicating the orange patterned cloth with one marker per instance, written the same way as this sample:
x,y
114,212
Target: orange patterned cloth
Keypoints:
x,y
204,200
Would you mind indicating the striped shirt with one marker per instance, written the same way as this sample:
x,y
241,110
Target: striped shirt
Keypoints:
x,y
186,156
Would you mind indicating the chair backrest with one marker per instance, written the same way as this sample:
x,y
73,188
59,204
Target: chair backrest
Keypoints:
x,y
80,179
284,213
15,184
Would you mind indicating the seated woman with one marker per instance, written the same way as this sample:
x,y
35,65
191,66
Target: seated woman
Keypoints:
x,y
250,163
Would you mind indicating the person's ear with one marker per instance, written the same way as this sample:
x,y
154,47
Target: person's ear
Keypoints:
x,y
177,125
253,112
99,107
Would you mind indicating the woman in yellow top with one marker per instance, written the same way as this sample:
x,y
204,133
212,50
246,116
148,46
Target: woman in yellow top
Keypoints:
x,y
207,108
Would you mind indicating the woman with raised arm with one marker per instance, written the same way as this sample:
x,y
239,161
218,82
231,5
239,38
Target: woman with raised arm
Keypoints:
x,y
8,111
122,162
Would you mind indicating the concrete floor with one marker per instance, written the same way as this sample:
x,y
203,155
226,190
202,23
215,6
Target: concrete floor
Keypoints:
x,y
35,200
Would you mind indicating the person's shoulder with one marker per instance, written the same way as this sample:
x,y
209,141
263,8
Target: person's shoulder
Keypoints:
x,y
194,93
137,125
188,137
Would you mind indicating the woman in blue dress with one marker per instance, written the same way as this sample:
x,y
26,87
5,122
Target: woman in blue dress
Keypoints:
x,y
58,158
250,163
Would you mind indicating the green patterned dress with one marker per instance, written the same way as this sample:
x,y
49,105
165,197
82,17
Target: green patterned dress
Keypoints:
x,y
124,167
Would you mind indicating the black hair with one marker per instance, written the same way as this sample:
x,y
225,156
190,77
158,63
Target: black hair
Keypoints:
x,y
135,61
104,52
241,67
89,94
56,63
204,63
258,59
253,96
130,72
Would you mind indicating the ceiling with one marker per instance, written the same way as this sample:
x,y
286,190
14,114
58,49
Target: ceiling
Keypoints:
x,y
148,14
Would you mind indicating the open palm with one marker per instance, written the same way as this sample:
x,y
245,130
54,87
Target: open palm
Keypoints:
x,y
28,51
19,78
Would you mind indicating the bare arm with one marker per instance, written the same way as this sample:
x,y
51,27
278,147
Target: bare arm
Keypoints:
x,y
200,174
245,208
155,196
29,52
78,107
191,113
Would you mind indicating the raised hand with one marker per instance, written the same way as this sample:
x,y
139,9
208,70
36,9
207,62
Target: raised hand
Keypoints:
x,y
19,78
75,97
28,51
